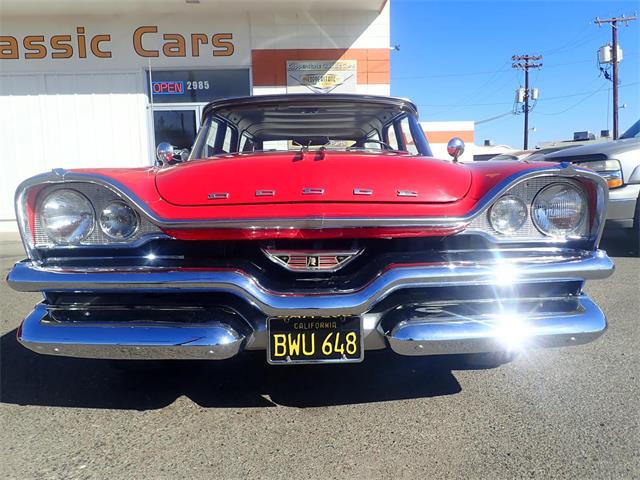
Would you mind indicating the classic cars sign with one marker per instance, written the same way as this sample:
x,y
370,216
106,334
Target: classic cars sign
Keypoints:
x,y
319,76
92,44
69,45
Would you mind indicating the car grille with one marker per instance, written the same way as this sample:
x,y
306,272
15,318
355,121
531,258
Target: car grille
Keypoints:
x,y
249,256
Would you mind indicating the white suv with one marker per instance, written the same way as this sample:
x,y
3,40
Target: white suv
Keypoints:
x,y
619,162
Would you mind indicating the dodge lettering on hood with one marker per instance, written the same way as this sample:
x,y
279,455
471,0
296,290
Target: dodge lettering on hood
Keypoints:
x,y
315,228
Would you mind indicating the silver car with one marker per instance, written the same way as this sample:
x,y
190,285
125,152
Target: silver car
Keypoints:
x,y
618,162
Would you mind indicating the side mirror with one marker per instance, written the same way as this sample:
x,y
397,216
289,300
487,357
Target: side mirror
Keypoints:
x,y
455,148
165,153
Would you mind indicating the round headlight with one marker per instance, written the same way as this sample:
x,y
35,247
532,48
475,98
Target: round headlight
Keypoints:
x,y
118,220
508,214
559,210
67,216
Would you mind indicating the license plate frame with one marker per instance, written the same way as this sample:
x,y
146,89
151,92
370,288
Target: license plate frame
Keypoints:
x,y
344,325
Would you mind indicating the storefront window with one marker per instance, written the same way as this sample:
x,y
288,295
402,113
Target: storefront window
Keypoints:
x,y
198,86
177,127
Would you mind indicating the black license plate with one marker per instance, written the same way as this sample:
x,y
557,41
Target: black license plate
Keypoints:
x,y
314,339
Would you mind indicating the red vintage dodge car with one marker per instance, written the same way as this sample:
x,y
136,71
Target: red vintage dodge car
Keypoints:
x,y
316,228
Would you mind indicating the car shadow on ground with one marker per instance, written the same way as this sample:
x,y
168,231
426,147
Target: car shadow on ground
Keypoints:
x,y
28,378
618,242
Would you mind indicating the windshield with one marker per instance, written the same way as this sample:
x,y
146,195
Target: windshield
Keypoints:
x,y
312,124
633,132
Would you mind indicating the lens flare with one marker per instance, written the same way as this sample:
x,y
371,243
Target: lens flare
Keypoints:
x,y
505,275
511,331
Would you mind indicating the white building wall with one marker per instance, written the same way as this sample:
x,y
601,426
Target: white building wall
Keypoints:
x,y
318,32
90,112
94,112
54,121
323,29
373,89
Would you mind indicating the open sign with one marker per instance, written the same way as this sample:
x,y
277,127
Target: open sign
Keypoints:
x,y
168,88
198,86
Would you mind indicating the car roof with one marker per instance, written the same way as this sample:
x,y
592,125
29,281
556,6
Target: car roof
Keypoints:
x,y
309,117
310,98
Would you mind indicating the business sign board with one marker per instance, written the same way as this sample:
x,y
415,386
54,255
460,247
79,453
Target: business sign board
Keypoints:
x,y
322,76
108,42
182,86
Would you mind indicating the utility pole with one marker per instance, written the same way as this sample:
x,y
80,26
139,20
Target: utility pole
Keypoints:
x,y
523,62
614,59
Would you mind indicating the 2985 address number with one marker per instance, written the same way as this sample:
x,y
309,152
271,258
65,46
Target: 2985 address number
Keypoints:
x,y
198,85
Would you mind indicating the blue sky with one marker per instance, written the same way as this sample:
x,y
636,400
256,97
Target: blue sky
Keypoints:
x,y
455,63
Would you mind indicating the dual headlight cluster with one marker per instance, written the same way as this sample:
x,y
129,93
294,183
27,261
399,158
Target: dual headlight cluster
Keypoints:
x,y
557,210
68,218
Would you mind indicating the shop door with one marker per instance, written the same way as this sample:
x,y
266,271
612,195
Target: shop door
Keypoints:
x,y
176,125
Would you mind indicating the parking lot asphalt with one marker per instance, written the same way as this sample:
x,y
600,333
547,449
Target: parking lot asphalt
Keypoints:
x,y
562,413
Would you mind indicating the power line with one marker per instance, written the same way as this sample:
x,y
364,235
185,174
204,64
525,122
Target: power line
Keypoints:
x,y
462,104
473,94
543,100
577,103
487,72
582,34
575,43
491,119
485,84
588,95
448,75
583,93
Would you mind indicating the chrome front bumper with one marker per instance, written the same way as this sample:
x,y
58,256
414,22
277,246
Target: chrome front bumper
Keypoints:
x,y
502,330
451,327
215,341
218,340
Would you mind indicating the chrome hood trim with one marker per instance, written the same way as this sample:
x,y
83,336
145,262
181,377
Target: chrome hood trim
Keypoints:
x,y
322,222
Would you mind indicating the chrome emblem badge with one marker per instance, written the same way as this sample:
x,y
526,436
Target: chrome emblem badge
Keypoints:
x,y
311,260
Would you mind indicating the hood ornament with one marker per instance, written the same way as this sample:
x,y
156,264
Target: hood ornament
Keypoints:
x,y
311,260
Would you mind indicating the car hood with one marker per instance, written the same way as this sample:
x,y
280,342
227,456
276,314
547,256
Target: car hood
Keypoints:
x,y
608,149
294,177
